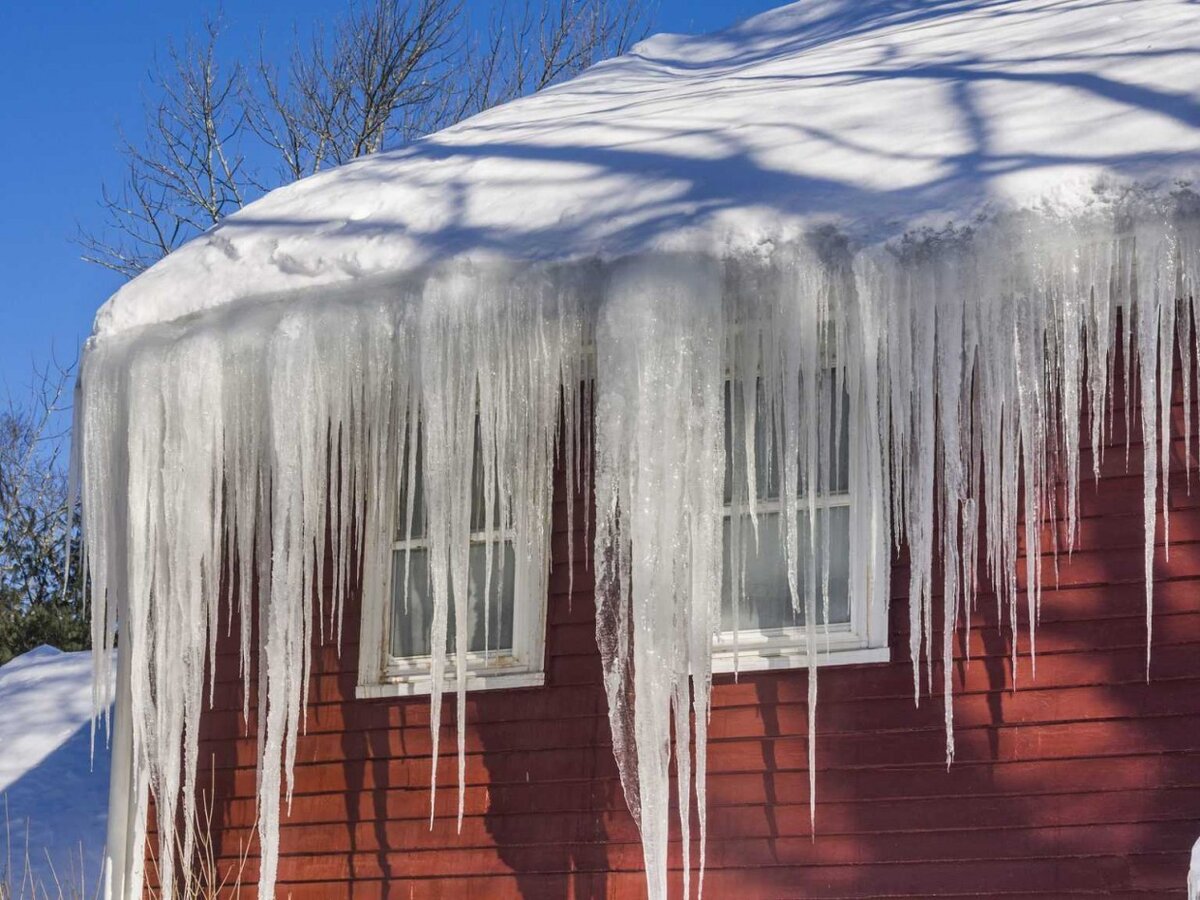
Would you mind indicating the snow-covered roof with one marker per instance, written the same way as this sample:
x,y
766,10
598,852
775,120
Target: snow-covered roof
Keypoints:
x,y
876,117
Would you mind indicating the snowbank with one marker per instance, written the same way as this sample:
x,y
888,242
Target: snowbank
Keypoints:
x,y
47,777
876,117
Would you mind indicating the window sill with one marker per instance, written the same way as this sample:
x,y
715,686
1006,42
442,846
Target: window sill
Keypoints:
x,y
761,660
420,686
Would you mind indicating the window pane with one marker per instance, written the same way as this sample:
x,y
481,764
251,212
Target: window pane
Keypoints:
x,y
485,512
418,511
411,629
766,459
839,479
483,516
767,603
766,468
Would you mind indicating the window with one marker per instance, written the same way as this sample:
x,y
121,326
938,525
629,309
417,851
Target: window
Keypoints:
x,y
506,601
763,631
508,583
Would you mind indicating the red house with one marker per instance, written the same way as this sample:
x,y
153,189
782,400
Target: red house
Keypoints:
x,y
621,462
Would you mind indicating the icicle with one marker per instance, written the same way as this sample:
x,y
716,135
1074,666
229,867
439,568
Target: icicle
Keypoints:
x,y
1193,878
659,470
495,347
248,444
243,445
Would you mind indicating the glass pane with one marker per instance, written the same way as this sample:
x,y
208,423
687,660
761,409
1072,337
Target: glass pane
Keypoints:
x,y
766,468
483,517
766,459
767,602
411,627
839,453
418,512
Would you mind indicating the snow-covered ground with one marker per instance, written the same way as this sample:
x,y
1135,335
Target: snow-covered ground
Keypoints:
x,y
56,794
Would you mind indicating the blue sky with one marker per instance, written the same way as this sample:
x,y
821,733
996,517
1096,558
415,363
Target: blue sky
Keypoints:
x,y
74,72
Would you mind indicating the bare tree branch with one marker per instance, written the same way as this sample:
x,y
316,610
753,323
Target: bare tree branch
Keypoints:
x,y
533,45
40,601
388,72
188,172
34,517
347,94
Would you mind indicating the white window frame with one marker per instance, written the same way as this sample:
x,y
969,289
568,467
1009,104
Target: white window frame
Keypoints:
x,y
382,674
864,639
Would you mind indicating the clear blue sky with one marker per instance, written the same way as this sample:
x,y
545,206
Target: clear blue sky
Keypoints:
x,y
72,73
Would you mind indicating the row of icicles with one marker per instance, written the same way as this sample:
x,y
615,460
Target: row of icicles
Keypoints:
x,y
227,450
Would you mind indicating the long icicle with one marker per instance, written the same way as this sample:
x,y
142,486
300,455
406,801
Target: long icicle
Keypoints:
x,y
970,360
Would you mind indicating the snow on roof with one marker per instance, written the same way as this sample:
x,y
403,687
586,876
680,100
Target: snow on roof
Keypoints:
x,y
53,797
876,117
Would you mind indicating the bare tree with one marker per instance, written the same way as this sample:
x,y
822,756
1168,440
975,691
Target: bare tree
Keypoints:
x,y
372,82
37,523
386,73
188,173
531,45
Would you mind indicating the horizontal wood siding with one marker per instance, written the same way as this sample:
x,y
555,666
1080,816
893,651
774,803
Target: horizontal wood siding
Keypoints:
x,y
1084,781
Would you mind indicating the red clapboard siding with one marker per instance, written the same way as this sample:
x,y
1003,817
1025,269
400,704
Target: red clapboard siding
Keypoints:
x,y
1083,782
